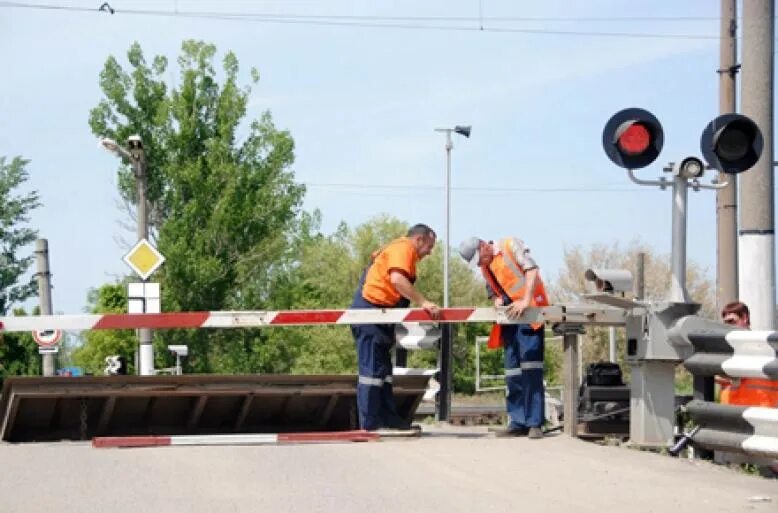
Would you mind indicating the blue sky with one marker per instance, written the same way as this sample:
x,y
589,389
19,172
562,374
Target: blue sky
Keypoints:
x,y
362,104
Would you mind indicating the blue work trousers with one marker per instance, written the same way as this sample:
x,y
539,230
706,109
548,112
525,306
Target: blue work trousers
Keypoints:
x,y
375,398
524,348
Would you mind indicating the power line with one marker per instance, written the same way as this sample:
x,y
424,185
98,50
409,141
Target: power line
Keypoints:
x,y
375,189
394,21
406,188
571,19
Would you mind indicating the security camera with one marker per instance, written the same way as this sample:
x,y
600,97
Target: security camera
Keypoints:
x,y
135,142
178,350
610,280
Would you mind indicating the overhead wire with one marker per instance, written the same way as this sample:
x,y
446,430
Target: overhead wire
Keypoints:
x,y
400,22
406,188
377,17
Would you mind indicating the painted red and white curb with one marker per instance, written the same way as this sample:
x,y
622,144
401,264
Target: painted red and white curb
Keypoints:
x,y
260,318
237,439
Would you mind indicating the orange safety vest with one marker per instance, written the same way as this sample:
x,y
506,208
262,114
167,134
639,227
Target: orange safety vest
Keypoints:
x,y
751,392
511,279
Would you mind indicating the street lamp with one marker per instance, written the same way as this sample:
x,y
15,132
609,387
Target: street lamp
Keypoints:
x,y
465,131
443,402
136,155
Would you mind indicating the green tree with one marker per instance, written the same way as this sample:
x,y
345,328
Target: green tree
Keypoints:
x,y
18,352
224,205
109,298
14,235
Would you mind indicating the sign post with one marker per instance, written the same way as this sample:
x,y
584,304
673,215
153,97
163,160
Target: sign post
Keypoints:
x,y
144,259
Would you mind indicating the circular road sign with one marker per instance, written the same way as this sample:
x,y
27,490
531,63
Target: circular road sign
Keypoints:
x,y
46,338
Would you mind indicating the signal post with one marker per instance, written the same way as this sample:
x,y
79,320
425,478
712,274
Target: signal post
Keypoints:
x,y
633,139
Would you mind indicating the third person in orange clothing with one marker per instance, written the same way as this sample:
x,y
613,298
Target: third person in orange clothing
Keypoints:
x,y
745,391
514,281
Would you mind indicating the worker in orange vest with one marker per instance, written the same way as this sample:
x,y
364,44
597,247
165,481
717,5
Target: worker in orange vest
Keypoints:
x,y
388,282
513,280
745,391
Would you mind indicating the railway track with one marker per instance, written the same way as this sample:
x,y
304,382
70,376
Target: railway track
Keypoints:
x,y
477,415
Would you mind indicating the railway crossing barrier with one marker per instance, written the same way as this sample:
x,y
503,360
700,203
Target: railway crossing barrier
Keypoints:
x,y
414,324
579,313
659,336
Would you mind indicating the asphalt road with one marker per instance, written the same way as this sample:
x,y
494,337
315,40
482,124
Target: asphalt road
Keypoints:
x,y
451,470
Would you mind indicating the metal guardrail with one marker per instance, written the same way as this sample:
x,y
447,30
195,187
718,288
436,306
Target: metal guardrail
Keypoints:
x,y
750,430
738,354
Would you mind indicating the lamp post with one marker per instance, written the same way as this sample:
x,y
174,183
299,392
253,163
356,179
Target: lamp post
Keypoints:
x,y
461,130
443,403
136,155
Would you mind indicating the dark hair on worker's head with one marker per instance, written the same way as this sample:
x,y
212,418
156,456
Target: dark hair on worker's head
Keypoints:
x,y
736,307
421,229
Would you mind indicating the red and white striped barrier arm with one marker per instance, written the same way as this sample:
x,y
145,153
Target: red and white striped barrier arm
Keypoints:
x,y
602,315
244,319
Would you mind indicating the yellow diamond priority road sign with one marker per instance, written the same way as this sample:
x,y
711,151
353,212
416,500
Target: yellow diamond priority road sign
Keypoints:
x,y
144,259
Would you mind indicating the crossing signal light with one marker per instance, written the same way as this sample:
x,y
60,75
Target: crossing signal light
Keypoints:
x,y
633,138
731,143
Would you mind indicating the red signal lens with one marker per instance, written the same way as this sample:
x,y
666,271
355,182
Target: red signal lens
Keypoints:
x,y
635,139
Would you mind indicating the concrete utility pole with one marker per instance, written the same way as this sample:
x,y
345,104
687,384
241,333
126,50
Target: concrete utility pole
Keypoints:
x,y
726,198
757,236
640,276
44,293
